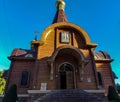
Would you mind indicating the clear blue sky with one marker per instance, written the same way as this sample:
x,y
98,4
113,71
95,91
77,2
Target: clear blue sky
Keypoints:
x,y
20,18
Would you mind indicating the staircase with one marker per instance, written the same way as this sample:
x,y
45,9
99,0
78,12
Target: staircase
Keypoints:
x,y
75,95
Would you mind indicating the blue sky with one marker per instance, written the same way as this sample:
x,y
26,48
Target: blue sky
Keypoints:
x,y
20,18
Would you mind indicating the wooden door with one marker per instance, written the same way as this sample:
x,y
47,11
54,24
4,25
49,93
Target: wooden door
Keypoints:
x,y
69,80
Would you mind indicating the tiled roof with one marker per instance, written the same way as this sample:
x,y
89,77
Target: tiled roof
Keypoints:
x,y
22,53
102,55
60,17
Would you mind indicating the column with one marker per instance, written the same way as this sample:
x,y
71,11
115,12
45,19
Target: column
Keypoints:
x,y
51,72
81,71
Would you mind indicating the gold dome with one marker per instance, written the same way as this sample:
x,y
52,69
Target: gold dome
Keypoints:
x,y
60,4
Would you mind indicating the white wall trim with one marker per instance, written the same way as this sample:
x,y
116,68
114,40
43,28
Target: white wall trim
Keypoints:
x,y
23,95
95,91
38,91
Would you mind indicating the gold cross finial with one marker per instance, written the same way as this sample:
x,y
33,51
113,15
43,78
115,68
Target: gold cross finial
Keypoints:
x,y
36,31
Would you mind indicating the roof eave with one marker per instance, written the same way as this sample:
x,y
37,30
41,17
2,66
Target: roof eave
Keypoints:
x,y
104,60
20,58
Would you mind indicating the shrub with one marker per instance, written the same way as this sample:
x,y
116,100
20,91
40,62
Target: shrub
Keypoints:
x,y
118,87
113,95
2,82
11,94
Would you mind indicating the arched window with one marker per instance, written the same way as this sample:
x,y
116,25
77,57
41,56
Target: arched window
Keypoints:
x,y
100,79
25,78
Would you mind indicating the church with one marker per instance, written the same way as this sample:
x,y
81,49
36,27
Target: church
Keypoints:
x,y
63,58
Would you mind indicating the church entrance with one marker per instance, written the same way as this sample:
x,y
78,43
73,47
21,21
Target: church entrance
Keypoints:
x,y
66,76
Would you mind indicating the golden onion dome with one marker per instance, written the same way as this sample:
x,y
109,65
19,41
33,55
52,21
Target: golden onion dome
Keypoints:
x,y
60,4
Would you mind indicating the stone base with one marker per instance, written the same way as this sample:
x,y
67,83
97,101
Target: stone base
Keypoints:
x,y
38,95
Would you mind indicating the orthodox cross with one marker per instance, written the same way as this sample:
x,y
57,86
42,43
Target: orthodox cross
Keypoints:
x,y
36,34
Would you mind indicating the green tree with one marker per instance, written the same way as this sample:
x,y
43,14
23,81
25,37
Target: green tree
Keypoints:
x,y
113,95
2,83
11,94
118,87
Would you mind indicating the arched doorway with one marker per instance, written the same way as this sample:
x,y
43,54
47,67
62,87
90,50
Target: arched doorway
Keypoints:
x,y
66,76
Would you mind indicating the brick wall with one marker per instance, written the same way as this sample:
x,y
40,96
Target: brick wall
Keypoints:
x,y
15,74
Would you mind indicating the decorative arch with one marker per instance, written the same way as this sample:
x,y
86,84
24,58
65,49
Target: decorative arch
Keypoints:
x,y
83,33
71,66
75,52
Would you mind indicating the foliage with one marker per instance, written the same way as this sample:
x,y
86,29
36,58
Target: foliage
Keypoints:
x,y
11,94
2,83
118,87
113,95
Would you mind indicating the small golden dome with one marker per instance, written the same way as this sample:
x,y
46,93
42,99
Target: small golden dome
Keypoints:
x,y
60,4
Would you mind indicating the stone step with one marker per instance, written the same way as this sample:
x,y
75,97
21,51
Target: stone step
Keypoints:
x,y
73,95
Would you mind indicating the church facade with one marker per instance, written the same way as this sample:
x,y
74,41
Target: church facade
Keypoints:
x,y
63,58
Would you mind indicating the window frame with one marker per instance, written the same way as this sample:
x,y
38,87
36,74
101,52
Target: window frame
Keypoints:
x,y
100,80
65,37
28,79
